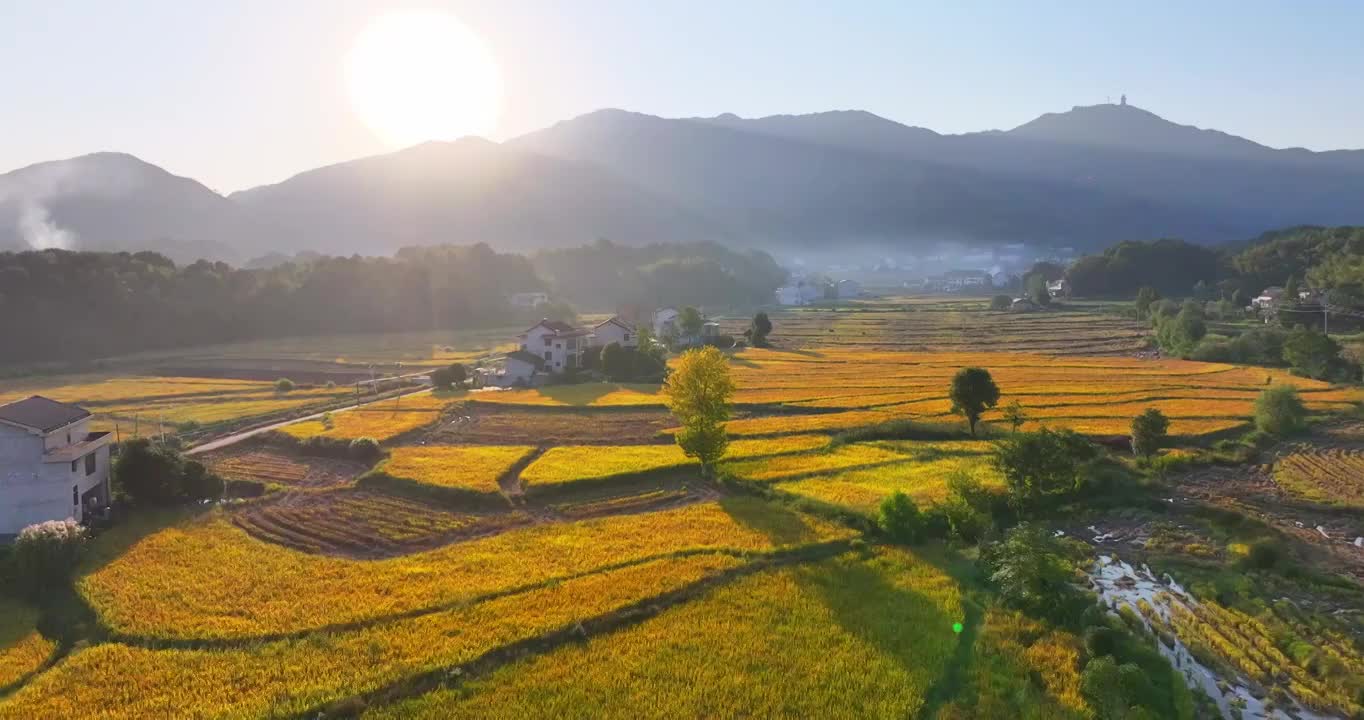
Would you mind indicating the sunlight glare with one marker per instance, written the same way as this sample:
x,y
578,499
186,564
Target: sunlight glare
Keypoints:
x,y
423,75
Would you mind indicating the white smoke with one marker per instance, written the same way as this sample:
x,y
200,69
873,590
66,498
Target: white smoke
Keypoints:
x,y
37,229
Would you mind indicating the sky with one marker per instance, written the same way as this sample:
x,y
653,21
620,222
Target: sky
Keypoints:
x,y
247,92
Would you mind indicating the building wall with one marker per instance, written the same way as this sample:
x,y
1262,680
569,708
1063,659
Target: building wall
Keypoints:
x,y
613,333
32,491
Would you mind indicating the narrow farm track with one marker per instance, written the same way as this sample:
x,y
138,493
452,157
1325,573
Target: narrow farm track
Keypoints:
x,y
510,481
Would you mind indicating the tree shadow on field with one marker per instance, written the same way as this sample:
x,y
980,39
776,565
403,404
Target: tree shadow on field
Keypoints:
x,y
780,524
905,626
580,394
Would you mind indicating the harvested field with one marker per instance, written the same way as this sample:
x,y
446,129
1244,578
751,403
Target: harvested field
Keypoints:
x,y
381,425
1327,469
480,423
274,466
360,524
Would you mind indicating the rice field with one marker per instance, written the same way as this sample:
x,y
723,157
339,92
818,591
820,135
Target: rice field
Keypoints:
x,y
297,677
474,468
381,425
23,650
567,464
842,638
192,580
581,395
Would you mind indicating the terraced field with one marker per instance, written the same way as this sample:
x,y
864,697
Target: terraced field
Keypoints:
x,y
1328,469
938,324
551,552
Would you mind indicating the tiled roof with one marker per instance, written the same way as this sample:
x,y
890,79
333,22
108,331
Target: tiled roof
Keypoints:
x,y
41,414
526,357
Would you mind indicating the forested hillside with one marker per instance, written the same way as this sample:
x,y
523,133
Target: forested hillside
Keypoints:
x,y
57,305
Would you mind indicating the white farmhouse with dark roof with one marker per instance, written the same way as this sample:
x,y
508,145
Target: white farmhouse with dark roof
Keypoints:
x,y
559,344
616,331
51,466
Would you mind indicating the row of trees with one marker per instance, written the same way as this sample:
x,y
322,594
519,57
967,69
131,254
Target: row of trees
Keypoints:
x,y
112,303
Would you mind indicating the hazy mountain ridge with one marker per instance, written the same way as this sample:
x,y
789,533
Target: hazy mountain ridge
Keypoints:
x,y
1082,178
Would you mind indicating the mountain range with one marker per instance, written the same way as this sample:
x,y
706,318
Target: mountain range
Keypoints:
x,y
1083,179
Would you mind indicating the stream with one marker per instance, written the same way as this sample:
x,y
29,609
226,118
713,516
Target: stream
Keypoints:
x,y
1119,584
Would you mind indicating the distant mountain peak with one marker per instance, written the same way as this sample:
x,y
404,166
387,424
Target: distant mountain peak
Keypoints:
x,y
1132,128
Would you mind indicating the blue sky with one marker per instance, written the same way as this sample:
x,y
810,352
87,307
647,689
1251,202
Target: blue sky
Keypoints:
x,y
246,92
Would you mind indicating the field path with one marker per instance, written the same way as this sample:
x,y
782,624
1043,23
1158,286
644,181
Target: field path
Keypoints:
x,y
235,438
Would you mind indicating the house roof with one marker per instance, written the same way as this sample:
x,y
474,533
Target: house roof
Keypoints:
x,y
526,357
615,320
559,327
41,414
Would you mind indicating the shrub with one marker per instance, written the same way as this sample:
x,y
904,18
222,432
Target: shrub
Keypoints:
x,y
1043,464
1100,641
1031,570
441,379
200,484
1113,690
967,508
1316,355
365,449
284,385
149,473
46,554
1264,554
331,385
759,330
458,374
900,519
1279,411
1001,302
972,392
1150,430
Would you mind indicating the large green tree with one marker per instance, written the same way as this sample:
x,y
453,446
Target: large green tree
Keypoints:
x,y
973,392
698,392
1150,430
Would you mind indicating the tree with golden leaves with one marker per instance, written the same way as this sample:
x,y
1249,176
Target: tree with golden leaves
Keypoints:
x,y
698,393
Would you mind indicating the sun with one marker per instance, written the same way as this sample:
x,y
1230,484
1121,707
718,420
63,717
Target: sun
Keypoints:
x,y
423,75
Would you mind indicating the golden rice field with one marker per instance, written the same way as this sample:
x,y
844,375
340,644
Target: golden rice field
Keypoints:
x,y
360,349
1328,470
381,425
476,468
581,395
572,463
292,677
23,650
841,638
193,579
860,476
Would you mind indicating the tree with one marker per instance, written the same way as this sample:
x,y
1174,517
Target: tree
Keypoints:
x,y
1146,296
149,473
1030,569
284,385
1043,464
900,518
1201,291
1290,291
1149,431
1180,334
973,392
1000,302
614,362
458,374
1316,355
1279,411
200,484
698,393
1014,415
1113,690
690,320
1037,289
441,378
760,329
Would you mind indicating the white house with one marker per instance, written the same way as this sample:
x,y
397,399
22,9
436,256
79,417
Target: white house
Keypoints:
x,y
849,289
1268,298
528,299
665,322
616,331
51,466
1058,288
557,343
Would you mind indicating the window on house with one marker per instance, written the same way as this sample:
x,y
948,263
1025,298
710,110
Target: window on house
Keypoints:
x,y
90,464
73,466
68,438
75,495
627,337
549,355
547,340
